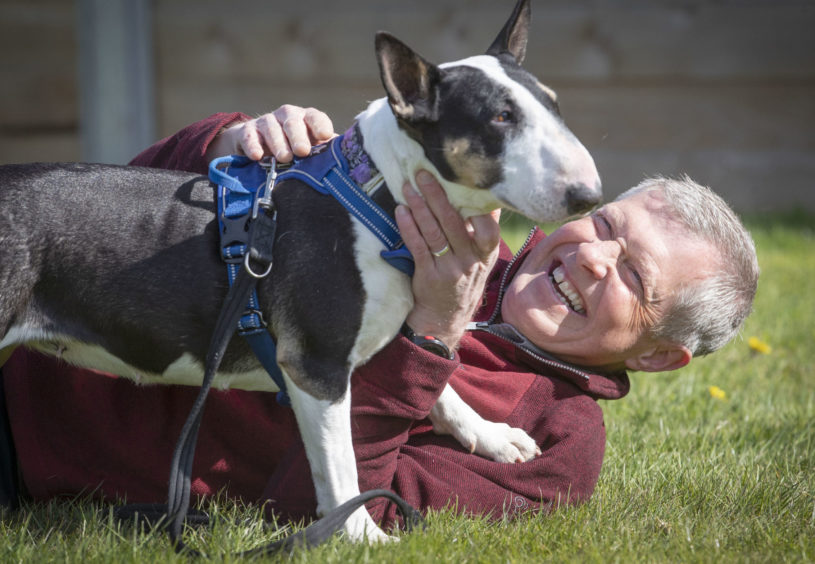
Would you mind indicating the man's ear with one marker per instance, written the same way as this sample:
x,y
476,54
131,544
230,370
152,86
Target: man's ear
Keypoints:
x,y
662,358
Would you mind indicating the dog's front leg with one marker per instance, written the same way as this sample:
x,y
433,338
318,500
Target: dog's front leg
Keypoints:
x,y
452,416
325,427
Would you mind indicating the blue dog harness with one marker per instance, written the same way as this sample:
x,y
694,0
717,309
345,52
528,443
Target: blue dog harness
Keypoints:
x,y
245,186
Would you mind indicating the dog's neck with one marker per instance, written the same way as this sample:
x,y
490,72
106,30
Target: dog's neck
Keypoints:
x,y
363,171
389,149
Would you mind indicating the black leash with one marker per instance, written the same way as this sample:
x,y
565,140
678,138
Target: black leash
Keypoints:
x,y
178,495
177,512
315,534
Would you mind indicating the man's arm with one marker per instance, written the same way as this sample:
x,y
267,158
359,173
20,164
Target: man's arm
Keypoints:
x,y
287,131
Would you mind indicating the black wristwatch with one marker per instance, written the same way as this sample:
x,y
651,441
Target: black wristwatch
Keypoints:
x,y
427,342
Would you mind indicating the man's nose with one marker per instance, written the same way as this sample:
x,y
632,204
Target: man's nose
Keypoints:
x,y
598,257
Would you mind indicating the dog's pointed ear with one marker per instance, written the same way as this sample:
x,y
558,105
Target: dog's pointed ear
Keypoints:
x,y
513,36
410,81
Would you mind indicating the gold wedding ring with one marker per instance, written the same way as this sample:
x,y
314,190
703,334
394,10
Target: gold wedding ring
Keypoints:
x,y
442,252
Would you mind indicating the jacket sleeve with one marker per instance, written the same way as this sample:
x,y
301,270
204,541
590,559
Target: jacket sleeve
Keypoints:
x,y
185,149
436,472
431,471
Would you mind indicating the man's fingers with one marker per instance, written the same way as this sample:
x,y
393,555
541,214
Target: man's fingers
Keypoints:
x,y
297,134
426,222
249,143
291,119
486,232
412,237
274,138
319,126
453,226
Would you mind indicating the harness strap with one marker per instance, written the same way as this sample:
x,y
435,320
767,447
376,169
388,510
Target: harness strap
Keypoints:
x,y
242,183
237,212
327,171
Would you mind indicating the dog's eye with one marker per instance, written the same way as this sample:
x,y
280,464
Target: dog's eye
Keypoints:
x,y
504,117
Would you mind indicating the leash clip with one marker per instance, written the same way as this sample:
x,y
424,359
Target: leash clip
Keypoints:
x,y
264,200
262,227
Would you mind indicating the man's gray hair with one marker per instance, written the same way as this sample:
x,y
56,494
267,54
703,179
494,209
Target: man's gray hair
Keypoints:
x,y
705,315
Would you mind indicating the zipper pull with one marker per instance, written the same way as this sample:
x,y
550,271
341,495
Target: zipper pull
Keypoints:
x,y
478,325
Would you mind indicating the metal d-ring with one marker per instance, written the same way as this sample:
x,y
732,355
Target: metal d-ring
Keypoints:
x,y
251,272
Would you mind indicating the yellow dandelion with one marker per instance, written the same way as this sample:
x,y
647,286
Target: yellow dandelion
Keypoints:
x,y
717,393
759,346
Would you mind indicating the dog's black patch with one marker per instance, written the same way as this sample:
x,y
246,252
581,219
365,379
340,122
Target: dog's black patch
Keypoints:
x,y
142,278
469,103
315,289
528,81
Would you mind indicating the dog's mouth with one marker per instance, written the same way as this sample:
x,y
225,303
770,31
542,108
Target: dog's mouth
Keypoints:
x,y
564,289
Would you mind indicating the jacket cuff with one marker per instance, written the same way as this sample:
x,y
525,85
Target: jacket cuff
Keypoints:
x,y
401,380
186,149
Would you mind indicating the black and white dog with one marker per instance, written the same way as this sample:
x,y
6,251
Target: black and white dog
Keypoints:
x,y
117,268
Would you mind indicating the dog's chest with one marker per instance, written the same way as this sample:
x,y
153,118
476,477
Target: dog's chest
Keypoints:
x,y
387,296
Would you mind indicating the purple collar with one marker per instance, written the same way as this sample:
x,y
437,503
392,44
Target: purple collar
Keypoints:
x,y
361,168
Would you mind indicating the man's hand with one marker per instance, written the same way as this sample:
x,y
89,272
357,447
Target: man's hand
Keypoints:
x,y
283,133
453,257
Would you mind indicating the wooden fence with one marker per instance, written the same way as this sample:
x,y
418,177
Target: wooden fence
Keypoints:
x,y
721,90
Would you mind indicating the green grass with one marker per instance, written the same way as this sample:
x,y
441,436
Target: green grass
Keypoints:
x,y
688,477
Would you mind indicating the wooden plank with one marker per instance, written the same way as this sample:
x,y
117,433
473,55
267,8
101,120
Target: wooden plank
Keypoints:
x,y
750,181
575,41
188,102
619,117
753,145
37,63
696,116
40,147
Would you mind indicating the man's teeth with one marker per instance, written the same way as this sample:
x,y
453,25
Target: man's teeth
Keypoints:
x,y
566,292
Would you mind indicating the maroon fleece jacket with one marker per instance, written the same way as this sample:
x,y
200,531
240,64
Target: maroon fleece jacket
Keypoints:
x,y
82,431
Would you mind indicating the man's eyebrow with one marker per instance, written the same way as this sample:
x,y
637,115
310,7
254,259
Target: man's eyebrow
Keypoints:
x,y
617,218
622,228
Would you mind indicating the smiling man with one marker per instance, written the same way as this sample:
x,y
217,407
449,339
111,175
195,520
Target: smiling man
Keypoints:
x,y
664,273
593,290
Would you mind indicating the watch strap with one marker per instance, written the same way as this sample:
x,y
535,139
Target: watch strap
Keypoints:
x,y
427,342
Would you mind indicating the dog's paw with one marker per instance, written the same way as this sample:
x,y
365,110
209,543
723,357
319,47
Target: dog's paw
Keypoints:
x,y
359,527
500,442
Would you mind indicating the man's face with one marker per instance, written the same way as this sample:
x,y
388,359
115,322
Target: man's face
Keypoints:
x,y
589,292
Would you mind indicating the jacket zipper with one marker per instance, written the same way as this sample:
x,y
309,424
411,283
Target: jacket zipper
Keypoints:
x,y
505,276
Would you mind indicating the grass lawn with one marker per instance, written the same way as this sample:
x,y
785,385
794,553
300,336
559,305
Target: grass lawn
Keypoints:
x,y
715,462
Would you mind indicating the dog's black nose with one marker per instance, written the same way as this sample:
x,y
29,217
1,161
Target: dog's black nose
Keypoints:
x,y
580,198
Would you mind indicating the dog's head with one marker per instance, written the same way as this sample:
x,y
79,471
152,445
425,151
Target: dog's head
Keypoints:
x,y
486,123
